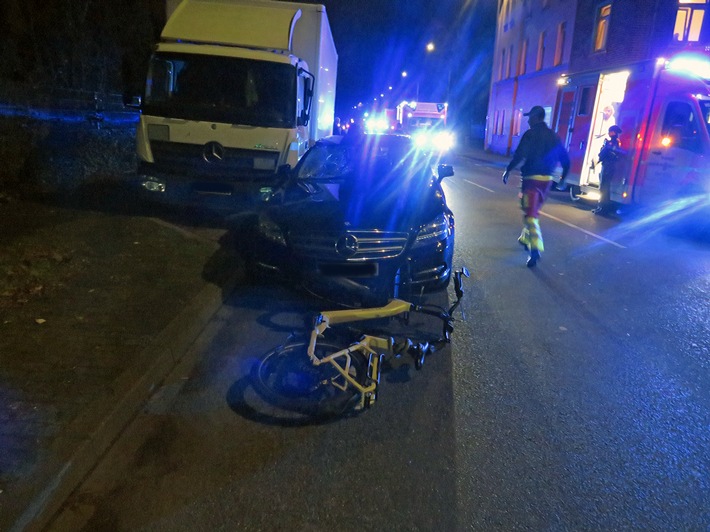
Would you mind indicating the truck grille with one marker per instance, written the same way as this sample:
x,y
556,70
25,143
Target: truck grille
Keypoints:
x,y
349,245
189,159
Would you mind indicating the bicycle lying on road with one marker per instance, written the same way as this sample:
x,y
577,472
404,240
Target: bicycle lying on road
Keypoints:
x,y
323,378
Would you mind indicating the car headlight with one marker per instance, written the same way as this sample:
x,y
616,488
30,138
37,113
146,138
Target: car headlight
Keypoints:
x,y
443,141
436,230
421,139
271,232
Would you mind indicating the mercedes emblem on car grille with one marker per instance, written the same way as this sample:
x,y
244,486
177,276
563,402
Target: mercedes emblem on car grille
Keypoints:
x,y
346,245
213,152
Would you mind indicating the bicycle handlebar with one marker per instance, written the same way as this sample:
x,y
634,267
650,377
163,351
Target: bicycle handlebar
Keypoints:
x,y
393,308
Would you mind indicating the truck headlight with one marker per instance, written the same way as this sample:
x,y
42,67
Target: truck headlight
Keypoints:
x,y
436,230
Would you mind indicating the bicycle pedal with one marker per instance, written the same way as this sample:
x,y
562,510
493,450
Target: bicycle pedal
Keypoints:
x,y
401,347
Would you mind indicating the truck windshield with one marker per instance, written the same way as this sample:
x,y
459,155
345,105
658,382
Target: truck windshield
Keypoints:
x,y
221,89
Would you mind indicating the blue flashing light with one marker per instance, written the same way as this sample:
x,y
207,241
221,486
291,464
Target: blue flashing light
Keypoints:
x,y
689,63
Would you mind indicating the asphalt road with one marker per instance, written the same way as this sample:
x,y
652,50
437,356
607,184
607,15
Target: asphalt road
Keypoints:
x,y
574,397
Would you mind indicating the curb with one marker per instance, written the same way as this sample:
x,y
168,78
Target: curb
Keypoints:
x,y
73,455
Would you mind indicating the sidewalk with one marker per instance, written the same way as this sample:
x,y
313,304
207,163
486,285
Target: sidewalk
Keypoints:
x,y
97,305
478,154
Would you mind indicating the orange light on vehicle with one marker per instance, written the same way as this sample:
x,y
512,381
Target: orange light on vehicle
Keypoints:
x,y
665,142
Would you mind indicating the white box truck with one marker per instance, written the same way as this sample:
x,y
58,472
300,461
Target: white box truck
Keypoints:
x,y
663,109
235,89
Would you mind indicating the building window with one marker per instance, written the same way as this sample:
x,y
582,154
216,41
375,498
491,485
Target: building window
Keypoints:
x,y
522,65
689,20
507,63
517,121
501,122
502,65
540,51
560,45
585,102
602,27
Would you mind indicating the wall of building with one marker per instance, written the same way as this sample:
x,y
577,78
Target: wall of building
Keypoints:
x,y
519,21
637,31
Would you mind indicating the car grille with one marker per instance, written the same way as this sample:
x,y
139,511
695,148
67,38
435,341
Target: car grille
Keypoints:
x,y
369,245
181,158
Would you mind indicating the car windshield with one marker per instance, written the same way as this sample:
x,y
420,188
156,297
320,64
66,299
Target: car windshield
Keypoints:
x,y
371,157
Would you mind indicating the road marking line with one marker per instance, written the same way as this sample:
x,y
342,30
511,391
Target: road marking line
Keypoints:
x,y
599,237
479,186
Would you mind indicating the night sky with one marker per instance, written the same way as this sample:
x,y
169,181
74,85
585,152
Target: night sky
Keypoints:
x,y
87,46
378,39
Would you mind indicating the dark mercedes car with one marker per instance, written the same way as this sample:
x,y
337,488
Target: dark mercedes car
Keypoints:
x,y
363,216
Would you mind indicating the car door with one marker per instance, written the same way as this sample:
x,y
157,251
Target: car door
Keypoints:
x,y
672,152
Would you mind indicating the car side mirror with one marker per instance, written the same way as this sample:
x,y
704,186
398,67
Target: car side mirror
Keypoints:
x,y
284,170
445,170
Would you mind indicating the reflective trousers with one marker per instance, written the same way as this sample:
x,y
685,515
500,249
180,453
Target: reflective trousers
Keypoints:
x,y
533,192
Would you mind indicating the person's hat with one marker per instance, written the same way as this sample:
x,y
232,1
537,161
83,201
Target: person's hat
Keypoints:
x,y
536,111
615,129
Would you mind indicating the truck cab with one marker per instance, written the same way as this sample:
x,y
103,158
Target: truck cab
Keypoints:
x,y
234,91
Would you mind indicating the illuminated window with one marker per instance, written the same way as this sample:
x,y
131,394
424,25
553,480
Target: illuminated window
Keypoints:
x,y
689,20
540,51
522,66
517,121
602,27
560,45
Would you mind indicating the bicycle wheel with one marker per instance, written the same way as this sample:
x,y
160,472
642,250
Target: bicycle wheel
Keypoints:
x,y
286,378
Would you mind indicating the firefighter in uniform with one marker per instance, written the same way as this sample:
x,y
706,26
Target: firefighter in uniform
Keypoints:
x,y
608,156
540,149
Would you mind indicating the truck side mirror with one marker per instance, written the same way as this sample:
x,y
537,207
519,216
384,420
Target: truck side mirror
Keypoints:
x,y
134,102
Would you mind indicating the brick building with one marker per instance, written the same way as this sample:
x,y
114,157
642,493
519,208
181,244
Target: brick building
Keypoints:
x,y
538,41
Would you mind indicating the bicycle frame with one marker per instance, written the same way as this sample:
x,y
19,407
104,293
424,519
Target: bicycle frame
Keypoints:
x,y
374,348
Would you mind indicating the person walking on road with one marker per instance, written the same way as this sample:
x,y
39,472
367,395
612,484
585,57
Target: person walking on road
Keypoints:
x,y
540,149
608,157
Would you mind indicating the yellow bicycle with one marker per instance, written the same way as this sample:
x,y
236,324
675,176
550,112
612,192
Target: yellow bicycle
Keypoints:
x,y
318,377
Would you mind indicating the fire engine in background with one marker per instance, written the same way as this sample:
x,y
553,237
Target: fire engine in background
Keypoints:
x,y
426,123
663,109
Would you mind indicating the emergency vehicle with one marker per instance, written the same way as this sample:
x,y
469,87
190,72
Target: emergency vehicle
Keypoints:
x,y
426,123
663,110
